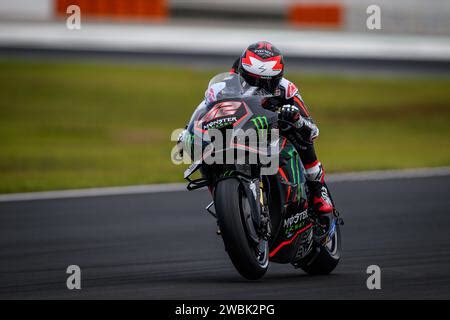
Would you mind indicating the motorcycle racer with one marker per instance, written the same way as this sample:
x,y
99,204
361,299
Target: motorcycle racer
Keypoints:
x,y
262,65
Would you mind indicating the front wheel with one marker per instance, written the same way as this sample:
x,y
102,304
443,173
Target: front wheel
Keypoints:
x,y
232,206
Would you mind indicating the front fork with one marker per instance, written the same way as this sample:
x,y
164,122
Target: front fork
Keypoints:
x,y
257,196
266,225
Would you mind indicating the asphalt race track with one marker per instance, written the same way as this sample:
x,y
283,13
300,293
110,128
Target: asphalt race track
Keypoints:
x,y
162,246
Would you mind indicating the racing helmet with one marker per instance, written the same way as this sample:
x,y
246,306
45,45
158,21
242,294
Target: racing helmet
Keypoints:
x,y
262,65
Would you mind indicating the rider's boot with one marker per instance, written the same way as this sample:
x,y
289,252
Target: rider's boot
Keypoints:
x,y
320,199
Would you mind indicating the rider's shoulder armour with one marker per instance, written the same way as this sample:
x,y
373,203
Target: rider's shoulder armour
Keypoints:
x,y
289,88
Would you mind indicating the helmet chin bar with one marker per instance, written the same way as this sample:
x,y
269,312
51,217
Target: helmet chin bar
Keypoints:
x,y
268,84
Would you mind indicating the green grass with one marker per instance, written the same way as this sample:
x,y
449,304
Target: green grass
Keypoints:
x,y
75,125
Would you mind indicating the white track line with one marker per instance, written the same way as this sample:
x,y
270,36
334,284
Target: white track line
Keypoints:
x,y
389,174
211,39
176,187
93,192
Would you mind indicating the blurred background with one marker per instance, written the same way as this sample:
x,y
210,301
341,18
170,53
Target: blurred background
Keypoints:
x,y
96,106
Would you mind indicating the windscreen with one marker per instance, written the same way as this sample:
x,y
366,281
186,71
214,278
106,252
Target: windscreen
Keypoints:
x,y
230,85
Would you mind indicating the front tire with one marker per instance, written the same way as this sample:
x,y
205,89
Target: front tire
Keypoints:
x,y
250,260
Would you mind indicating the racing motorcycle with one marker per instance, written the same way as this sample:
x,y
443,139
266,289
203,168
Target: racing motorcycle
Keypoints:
x,y
261,216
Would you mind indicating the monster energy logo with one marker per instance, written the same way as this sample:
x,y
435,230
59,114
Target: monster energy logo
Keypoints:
x,y
261,125
295,223
295,169
260,122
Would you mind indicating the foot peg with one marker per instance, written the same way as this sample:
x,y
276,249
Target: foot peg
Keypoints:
x,y
210,211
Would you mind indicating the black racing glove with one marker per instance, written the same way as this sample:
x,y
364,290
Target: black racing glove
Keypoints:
x,y
306,128
289,113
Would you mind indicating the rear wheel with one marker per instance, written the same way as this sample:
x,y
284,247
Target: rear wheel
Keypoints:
x,y
325,257
251,260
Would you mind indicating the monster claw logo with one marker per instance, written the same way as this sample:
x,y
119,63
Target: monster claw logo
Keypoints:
x,y
261,124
